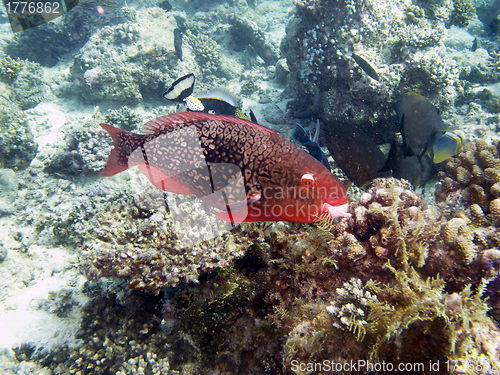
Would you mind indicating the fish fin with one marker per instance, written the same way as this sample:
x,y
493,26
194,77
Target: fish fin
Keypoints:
x,y
315,151
220,93
180,89
183,118
113,167
299,134
162,181
252,116
229,217
316,132
240,114
391,163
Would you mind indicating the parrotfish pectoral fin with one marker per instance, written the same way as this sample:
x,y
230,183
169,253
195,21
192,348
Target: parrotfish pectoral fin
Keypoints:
x,y
162,181
113,167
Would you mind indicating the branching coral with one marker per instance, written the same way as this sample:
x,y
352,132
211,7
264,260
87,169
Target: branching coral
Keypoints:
x,y
9,68
462,13
206,50
351,307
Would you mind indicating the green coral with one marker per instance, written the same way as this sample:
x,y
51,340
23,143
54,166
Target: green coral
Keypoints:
x,y
206,50
17,145
9,68
463,12
123,118
411,300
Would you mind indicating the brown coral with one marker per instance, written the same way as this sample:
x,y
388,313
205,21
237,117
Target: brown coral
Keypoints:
x,y
391,220
458,235
473,176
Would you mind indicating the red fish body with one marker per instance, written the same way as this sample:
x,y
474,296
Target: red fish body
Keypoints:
x,y
244,169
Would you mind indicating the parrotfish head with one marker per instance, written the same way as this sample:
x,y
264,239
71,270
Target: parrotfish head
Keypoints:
x,y
310,191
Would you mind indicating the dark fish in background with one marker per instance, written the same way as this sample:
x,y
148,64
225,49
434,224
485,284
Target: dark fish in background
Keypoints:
x,y
423,129
165,5
426,141
420,123
218,101
365,65
178,43
310,142
244,169
354,151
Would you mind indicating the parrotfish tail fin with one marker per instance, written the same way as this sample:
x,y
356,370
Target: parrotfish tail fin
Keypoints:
x,y
118,158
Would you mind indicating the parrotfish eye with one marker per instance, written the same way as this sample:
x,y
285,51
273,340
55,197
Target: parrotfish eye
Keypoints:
x,y
307,180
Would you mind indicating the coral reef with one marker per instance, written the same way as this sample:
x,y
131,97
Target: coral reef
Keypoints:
x,y
247,33
282,292
472,176
146,245
125,62
9,68
351,307
25,79
123,118
390,220
121,341
463,12
17,145
85,149
406,52
206,52
53,41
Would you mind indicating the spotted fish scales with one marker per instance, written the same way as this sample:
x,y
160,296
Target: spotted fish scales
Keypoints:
x,y
233,164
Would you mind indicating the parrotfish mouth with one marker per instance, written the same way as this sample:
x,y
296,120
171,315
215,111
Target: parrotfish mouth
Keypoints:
x,y
335,212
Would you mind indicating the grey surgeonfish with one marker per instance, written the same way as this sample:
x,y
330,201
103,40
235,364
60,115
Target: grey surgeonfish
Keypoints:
x,y
423,129
421,124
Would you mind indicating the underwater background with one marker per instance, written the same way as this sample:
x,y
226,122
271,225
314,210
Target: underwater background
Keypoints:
x,y
114,276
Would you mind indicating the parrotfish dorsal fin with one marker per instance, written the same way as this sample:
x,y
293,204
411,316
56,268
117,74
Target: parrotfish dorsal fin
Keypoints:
x,y
182,118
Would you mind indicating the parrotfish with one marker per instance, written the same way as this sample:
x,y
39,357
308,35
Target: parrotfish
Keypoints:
x,y
245,170
218,101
